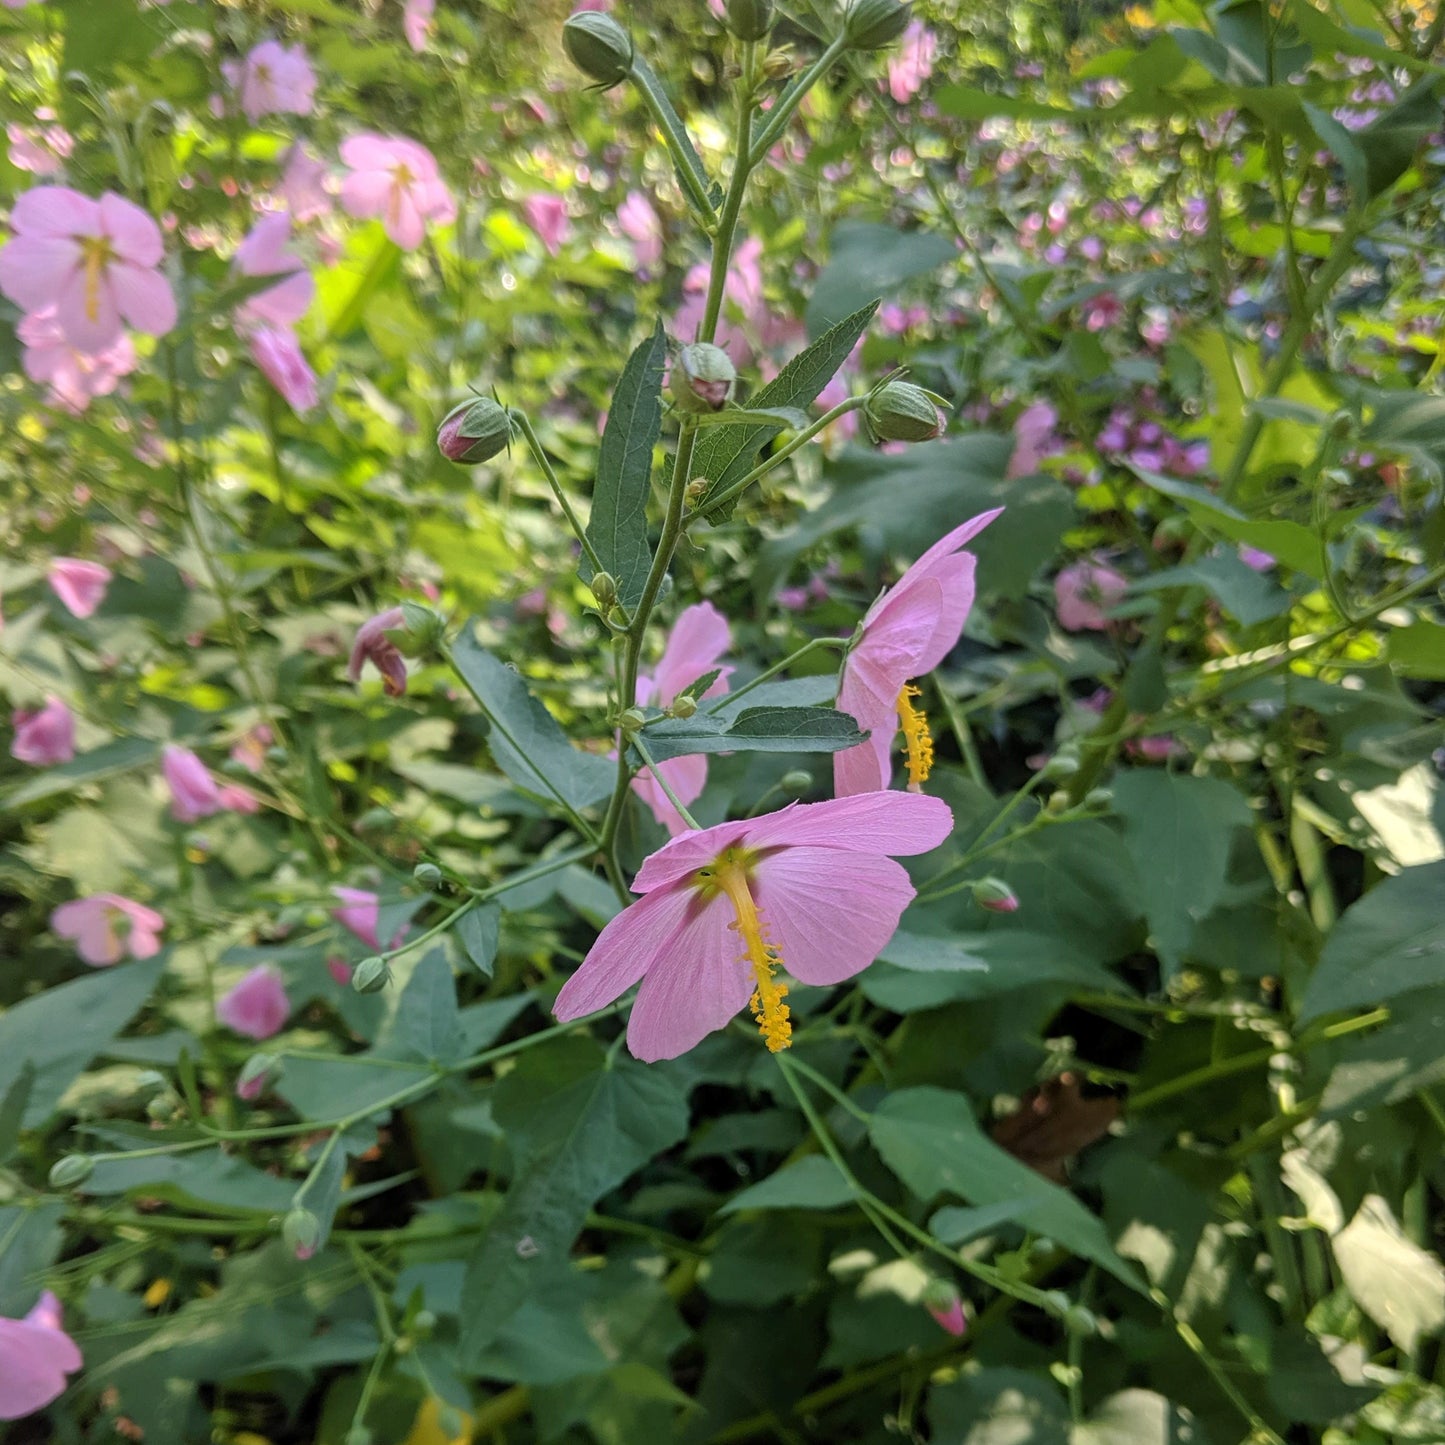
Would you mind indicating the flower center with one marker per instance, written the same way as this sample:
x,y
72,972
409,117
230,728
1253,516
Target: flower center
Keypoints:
x,y
915,737
729,874
401,179
98,255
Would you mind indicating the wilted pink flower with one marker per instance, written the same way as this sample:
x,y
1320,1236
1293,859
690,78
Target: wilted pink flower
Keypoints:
x,y
46,737
35,1355
361,913
639,222
257,1006
374,646
279,358
1034,438
416,22
396,179
547,215
107,927
79,585
1084,592
41,151
266,252
912,63
93,261
194,792
810,889
274,79
699,637
910,628
73,376
943,1301
303,187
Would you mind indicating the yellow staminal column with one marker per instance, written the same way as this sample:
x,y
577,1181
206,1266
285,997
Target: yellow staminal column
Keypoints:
x,y
767,1001
97,253
915,737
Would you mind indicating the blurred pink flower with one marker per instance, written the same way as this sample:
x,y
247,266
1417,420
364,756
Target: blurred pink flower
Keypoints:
x,y
195,794
107,927
1256,560
396,179
274,79
73,376
547,215
266,252
374,646
250,748
416,22
279,358
912,63
593,5
745,316
1103,311
93,261
1034,438
699,637
1158,748
40,150
638,220
35,1352
361,914
1084,592
810,888
896,320
910,628
303,177
257,1006
46,737
79,585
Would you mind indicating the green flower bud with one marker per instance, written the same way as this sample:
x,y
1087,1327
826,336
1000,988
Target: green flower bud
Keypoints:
x,y
703,378
632,720
301,1230
684,706
427,874
358,1435
796,783
750,19
424,1323
1060,768
901,412
474,432
995,895
599,47
604,589
872,24
1099,798
70,1171
371,975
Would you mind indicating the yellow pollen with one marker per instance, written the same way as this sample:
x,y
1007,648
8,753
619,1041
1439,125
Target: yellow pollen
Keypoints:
x,y
730,875
915,736
97,256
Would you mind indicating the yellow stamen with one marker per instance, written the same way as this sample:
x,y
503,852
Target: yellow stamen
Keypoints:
x,y
97,255
730,875
915,736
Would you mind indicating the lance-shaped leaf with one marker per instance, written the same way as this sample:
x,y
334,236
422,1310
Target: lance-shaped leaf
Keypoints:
x,y
617,528
755,730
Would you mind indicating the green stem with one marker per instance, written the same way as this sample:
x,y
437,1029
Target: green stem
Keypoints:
x,y
663,783
732,202
791,99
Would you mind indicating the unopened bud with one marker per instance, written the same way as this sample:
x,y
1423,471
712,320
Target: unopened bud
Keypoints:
x,y
474,432
1099,798
424,1323
72,1170
163,1106
427,874
259,1072
1058,803
684,706
703,377
371,975
780,62
598,46
301,1230
1079,1321
1060,768
872,24
995,895
422,629
750,19
796,783
697,489
902,412
943,1301
604,589
632,720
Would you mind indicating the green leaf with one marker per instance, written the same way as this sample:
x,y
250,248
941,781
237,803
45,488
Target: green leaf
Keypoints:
x,y
119,756
479,931
58,1032
725,455
929,1138
526,740
969,102
811,1183
954,1225
1178,830
320,1192
1391,941
775,418
425,1026
1417,650
870,259
1395,1282
999,1407
1405,1056
207,1180
617,527
12,1109
578,1125
1136,1417
30,1239
1236,586
755,729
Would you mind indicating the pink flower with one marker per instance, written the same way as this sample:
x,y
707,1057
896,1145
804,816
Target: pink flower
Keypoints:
x,y
1084,592
911,65
396,179
639,222
374,646
1103,311
1034,438
279,358
547,216
79,585
416,22
94,261
810,889
42,152
106,927
250,748
1256,560
257,1006
73,376
266,252
361,913
303,187
274,79
1156,749
194,792
35,1357
699,637
44,738
742,297
910,628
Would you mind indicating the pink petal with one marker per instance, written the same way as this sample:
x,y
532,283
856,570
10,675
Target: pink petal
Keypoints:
x,y
868,768
366,193
687,777
893,823
144,297
699,637
84,331
686,854
829,912
257,1006
898,629
55,211
955,576
134,235
957,538
35,1361
34,269
403,221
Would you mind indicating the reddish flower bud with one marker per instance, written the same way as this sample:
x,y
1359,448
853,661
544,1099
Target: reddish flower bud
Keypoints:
x,y
995,895
943,1301
374,646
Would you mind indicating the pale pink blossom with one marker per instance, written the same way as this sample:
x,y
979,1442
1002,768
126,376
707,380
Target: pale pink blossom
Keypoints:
x,y
274,79
699,637
912,63
266,251
361,914
1034,438
1157,748
257,1006
279,358
374,646
416,22
1256,560
396,179
910,628
1085,592
45,737
35,1352
638,220
195,794
810,889
74,377
94,261
303,183
745,319
41,150
107,927
80,585
547,215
